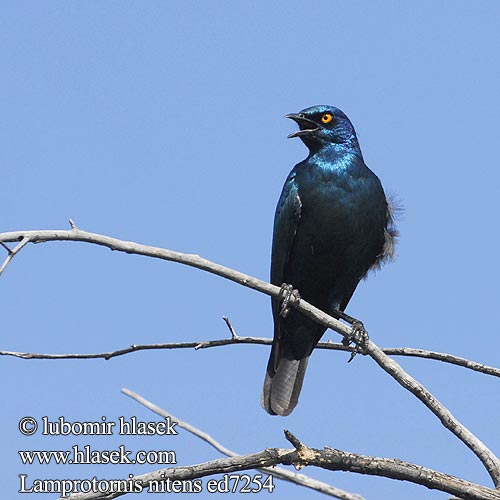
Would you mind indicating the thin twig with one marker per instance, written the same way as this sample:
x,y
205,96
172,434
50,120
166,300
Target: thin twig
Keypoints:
x,y
293,440
230,326
485,455
441,356
278,472
236,339
12,253
141,347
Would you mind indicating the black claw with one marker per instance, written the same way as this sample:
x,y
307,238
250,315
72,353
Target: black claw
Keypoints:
x,y
289,296
357,339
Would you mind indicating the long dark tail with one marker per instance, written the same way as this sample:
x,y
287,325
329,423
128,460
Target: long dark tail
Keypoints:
x,y
283,382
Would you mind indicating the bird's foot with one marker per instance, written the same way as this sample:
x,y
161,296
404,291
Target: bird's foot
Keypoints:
x,y
289,296
357,340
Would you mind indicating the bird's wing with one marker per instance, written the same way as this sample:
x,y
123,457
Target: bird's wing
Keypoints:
x,y
286,221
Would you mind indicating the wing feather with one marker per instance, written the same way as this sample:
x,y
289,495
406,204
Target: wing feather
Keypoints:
x,y
286,222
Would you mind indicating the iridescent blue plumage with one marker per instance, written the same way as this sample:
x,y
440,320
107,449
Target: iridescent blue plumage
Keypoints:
x,y
332,224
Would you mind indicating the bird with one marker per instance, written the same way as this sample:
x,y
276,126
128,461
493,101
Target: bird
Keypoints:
x,y
333,224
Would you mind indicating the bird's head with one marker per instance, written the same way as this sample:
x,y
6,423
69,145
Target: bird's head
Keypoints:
x,y
323,124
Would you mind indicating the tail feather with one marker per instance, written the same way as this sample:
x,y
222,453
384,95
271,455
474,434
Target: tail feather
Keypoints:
x,y
282,385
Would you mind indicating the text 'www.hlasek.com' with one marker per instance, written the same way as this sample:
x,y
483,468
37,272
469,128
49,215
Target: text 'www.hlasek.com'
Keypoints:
x,y
154,482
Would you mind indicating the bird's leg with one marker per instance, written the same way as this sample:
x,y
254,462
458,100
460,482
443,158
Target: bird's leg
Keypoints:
x,y
358,336
289,296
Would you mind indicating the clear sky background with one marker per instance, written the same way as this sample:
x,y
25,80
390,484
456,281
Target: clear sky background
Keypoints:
x,y
162,123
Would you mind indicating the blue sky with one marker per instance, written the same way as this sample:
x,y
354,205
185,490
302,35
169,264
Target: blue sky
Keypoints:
x,y
162,123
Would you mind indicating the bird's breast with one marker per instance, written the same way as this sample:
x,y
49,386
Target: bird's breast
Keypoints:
x,y
341,228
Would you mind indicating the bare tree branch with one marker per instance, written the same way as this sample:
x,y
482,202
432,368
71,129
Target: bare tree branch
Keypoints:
x,y
485,455
236,339
140,347
278,472
328,458
441,356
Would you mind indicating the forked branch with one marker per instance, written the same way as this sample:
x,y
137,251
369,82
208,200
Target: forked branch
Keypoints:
x,y
278,472
487,457
236,339
328,458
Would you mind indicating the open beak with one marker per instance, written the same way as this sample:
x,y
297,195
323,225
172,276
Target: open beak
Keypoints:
x,y
306,125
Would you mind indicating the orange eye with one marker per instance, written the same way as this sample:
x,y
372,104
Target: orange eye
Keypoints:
x,y
327,118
